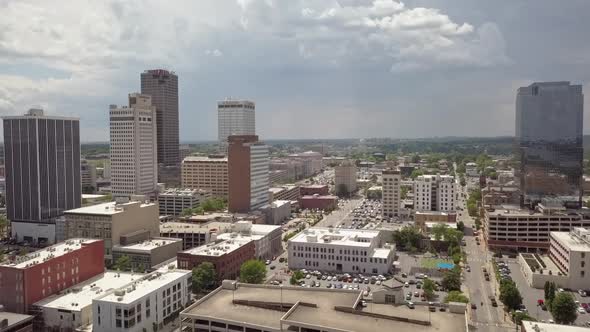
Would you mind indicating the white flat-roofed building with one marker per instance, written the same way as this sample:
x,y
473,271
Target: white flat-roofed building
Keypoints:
x,y
267,238
471,169
174,200
570,251
142,303
194,234
341,250
434,193
73,307
146,254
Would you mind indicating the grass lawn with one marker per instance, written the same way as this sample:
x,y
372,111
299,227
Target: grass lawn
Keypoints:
x,y
432,263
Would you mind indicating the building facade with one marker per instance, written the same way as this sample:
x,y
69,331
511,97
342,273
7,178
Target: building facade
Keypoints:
x,y
88,177
134,168
110,221
571,253
42,160
248,161
207,173
37,275
287,193
162,86
174,200
235,117
549,129
313,189
391,193
144,303
227,256
345,178
144,255
341,250
194,234
434,193
326,202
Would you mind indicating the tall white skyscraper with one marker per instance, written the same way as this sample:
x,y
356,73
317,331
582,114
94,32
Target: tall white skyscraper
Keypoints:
x,y
134,156
235,117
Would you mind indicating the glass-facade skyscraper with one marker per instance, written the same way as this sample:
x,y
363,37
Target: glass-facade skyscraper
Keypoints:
x,y
549,147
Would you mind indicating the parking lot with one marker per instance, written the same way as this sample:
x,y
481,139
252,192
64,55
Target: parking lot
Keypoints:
x,y
531,296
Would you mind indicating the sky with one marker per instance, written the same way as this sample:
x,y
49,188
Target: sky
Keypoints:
x,y
315,68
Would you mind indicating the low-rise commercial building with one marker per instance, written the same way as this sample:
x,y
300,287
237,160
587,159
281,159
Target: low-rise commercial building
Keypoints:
x,y
194,234
227,256
341,250
35,276
145,254
313,189
258,308
109,221
284,193
72,308
471,169
143,303
500,195
511,228
277,212
266,238
13,322
208,173
174,200
422,218
317,202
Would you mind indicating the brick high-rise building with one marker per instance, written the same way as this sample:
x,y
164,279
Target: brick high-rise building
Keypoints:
x,y
248,164
162,85
391,196
37,275
42,156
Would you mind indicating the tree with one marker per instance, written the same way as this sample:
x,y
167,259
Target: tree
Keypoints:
x,y
3,225
462,181
551,294
123,263
510,295
416,173
439,231
461,226
518,317
429,287
451,281
407,237
203,277
416,158
564,308
456,296
295,277
253,271
403,192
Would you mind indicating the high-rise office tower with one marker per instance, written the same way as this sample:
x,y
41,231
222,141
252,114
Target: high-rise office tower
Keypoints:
x,y
42,155
345,176
235,117
134,150
549,127
248,164
162,86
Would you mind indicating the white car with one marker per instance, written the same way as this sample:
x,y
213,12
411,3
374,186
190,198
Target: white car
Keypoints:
x,y
582,293
308,276
581,310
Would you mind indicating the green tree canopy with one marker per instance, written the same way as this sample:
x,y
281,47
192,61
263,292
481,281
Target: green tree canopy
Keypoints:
x,y
407,237
416,173
510,295
123,263
253,271
203,277
564,308
429,287
456,296
451,281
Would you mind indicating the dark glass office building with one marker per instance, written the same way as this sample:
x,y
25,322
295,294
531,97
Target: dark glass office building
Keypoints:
x,y
162,85
549,129
42,155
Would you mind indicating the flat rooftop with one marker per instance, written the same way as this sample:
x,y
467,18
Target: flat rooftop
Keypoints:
x,y
547,327
106,209
147,245
81,295
573,242
14,318
182,192
219,305
204,159
47,253
187,227
332,197
145,285
220,248
346,237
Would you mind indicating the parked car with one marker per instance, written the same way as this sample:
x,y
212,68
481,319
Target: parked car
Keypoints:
x,y
410,304
582,292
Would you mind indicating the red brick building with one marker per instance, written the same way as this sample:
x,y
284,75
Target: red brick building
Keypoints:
x,y
25,280
248,173
226,256
313,189
326,202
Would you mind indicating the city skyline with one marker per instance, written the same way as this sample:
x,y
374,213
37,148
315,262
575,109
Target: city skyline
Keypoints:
x,y
466,67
